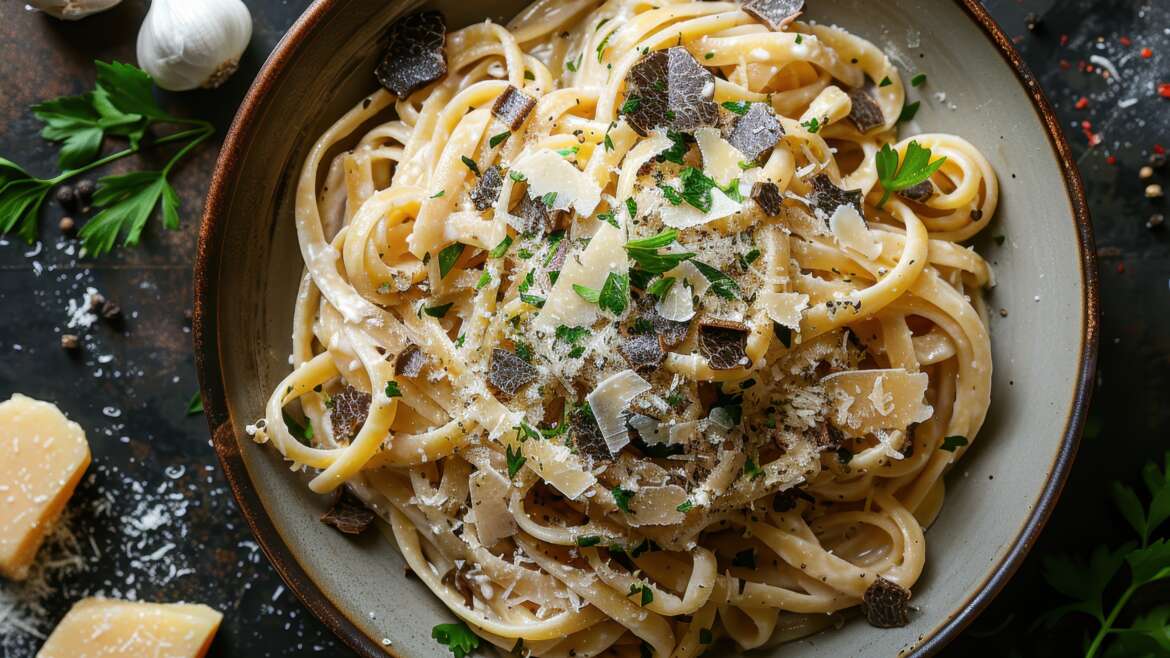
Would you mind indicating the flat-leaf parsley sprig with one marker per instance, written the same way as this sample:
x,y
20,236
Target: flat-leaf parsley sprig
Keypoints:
x,y
915,168
121,105
1087,583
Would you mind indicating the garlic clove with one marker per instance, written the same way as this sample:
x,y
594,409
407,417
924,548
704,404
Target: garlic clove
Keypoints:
x,y
72,10
185,45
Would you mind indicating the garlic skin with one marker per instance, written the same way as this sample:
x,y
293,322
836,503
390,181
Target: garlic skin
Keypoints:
x,y
184,44
72,10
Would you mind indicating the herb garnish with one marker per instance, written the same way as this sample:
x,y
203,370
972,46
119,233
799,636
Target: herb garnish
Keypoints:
x,y
685,506
448,256
645,252
392,390
739,107
122,105
886,82
515,459
647,594
470,164
909,111
631,105
502,248
952,443
496,139
721,284
918,80
457,637
813,125
438,311
621,497
751,470
585,541
195,404
439,194
661,287
915,168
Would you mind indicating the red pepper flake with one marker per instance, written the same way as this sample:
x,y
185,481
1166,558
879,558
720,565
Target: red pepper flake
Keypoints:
x,y
1064,65
1094,138
1164,90
1147,53
1125,41
1064,39
1082,104
1089,68
1111,160
1159,149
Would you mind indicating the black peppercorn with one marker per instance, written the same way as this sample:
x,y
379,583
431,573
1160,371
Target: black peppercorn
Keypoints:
x,y
67,197
85,189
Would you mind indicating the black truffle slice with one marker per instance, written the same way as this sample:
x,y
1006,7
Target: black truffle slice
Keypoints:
x,y
724,343
347,412
866,114
828,437
535,217
641,351
826,197
348,515
767,197
410,362
512,107
414,53
670,89
756,132
920,192
774,13
508,372
670,332
487,190
884,604
587,436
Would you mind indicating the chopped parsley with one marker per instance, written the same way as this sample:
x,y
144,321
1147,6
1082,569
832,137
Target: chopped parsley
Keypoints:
x,y
621,497
484,279
647,594
601,46
438,194
392,390
517,176
739,107
645,252
529,75
457,637
952,443
721,284
631,105
615,294
608,218
752,470
591,295
672,195
661,287
515,459
566,152
709,56
918,80
915,168
632,207
498,138
750,257
799,39
608,142
470,164
886,82
585,541
909,111
448,257
573,65
685,506
549,199
678,148
813,125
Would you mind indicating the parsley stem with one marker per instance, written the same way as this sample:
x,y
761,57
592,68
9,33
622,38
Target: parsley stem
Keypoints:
x,y
203,135
1107,625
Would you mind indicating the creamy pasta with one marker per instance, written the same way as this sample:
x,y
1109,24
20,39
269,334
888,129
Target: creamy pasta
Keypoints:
x,y
620,318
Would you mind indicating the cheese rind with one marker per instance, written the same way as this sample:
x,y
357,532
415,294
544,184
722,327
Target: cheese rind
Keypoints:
x,y
107,628
45,455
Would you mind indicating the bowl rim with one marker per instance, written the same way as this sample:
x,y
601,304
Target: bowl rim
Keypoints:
x,y
227,448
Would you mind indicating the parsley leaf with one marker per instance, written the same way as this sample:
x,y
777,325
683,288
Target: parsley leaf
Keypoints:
x,y
591,295
739,107
80,123
457,637
499,250
127,202
915,168
751,469
448,256
678,148
672,195
909,111
631,105
621,497
438,311
615,294
660,287
918,80
585,541
952,443
886,82
697,188
813,125
515,459
392,390
195,405
685,506
721,284
498,138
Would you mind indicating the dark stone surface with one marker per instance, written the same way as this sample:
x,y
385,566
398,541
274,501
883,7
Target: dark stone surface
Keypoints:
x,y
154,485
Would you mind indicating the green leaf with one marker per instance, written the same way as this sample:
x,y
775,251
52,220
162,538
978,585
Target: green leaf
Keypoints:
x,y
590,295
813,125
470,164
751,469
953,443
915,168
484,279
571,335
609,218
621,497
601,46
678,148
672,195
457,637
721,284
195,405
918,80
909,111
438,311
1086,583
549,199
502,248
1155,626
448,256
697,188
685,506
615,294
130,90
631,105
127,202
661,287
886,82
585,541
1131,509
533,300
739,107
496,139
515,459
79,122
662,239
392,390
20,205
1150,563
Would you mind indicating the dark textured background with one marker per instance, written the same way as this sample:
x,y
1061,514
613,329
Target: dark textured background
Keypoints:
x,y
154,487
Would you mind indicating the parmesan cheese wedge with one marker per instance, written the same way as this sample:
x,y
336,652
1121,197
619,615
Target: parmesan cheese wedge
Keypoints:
x,y
558,466
850,231
590,268
784,307
45,455
549,172
489,500
865,401
106,628
720,159
608,402
677,305
657,506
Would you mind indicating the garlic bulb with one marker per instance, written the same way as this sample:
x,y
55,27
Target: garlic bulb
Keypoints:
x,y
184,44
72,10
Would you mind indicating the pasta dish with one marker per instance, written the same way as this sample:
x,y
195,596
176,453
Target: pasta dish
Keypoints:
x,y
639,325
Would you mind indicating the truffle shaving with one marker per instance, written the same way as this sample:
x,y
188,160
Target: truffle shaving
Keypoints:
x,y
348,514
767,197
885,604
414,53
724,344
919,193
410,361
866,114
670,89
642,351
535,217
508,372
347,412
587,436
774,13
512,107
487,190
756,132
670,332
826,197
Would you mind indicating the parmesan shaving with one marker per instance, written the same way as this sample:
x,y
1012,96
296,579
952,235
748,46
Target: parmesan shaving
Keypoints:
x,y
608,402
